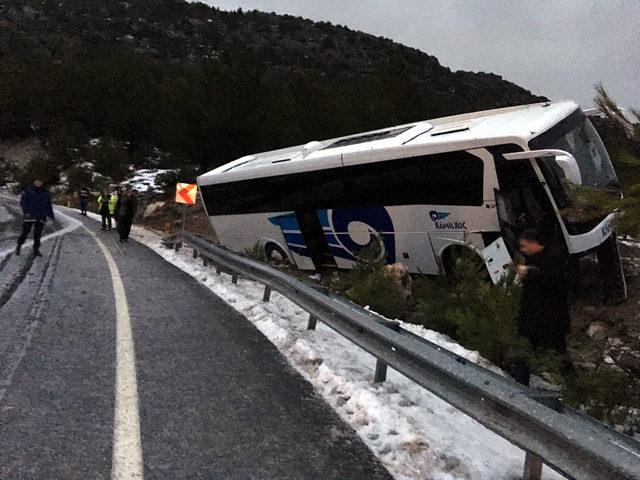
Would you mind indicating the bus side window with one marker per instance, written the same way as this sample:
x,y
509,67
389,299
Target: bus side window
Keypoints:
x,y
442,179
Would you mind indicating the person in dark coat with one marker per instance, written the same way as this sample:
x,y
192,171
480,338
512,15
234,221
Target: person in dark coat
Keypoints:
x,y
84,200
127,211
544,309
36,207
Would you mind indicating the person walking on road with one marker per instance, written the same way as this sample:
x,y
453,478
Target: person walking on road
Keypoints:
x,y
128,206
36,207
84,200
544,309
103,209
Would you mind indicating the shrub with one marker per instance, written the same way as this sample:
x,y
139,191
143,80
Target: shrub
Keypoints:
x,y
110,158
167,181
368,284
369,261
256,252
8,171
379,292
43,168
605,394
78,177
493,330
479,314
442,302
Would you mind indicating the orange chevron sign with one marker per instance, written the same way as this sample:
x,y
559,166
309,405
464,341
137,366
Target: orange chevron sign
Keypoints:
x,y
186,193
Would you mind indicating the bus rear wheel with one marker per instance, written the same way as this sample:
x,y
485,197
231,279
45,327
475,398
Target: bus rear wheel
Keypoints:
x,y
274,252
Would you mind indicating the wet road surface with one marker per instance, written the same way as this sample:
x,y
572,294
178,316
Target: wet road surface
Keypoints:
x,y
214,398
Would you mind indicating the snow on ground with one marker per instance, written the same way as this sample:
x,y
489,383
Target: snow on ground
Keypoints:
x,y
415,434
629,242
145,180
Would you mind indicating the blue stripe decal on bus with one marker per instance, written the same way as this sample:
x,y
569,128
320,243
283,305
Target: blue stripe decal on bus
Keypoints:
x,y
331,239
335,226
323,216
288,221
377,220
294,238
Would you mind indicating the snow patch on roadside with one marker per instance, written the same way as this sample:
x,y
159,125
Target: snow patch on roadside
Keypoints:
x,y
145,180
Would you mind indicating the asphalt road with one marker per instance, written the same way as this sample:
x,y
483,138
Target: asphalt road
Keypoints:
x,y
215,399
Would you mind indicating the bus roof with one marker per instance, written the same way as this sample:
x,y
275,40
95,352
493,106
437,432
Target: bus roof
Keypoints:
x,y
517,124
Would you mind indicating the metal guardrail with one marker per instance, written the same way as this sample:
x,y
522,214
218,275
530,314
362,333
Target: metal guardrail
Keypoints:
x,y
571,443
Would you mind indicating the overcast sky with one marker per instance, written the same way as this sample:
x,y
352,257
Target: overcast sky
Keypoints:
x,y
557,48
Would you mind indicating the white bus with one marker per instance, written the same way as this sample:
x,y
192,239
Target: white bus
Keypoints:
x,y
425,189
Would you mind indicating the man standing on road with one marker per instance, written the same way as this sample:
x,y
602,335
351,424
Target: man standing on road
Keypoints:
x,y
544,310
84,200
36,207
127,211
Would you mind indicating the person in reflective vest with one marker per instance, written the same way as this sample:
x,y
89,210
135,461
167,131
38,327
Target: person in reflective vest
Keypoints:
x,y
112,202
36,207
103,209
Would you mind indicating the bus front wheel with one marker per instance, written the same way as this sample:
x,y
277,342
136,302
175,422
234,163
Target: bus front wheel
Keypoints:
x,y
451,255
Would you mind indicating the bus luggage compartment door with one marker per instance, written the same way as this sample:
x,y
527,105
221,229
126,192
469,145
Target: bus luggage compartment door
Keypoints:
x,y
497,259
315,239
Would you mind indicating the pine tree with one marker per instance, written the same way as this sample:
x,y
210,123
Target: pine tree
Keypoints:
x,y
624,157
368,284
480,315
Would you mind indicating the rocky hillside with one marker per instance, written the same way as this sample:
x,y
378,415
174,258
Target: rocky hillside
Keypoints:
x,y
166,83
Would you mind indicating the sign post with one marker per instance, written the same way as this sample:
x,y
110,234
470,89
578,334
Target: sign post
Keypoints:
x,y
186,194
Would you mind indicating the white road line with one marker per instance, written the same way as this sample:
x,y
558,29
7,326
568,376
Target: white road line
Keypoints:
x,y
127,448
72,224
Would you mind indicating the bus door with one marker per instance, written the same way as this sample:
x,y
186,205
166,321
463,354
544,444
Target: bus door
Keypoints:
x,y
508,221
315,239
525,207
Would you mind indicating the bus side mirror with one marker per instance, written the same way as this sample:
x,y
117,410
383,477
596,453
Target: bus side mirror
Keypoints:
x,y
563,159
570,167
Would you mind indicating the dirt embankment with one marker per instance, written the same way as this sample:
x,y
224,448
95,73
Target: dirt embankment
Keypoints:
x,y
611,333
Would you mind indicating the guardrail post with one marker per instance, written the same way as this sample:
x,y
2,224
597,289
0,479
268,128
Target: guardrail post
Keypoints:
x,y
205,262
234,277
267,293
195,253
532,467
177,246
381,371
313,321
218,270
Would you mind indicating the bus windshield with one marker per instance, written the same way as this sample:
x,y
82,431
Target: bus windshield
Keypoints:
x,y
583,142
596,170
